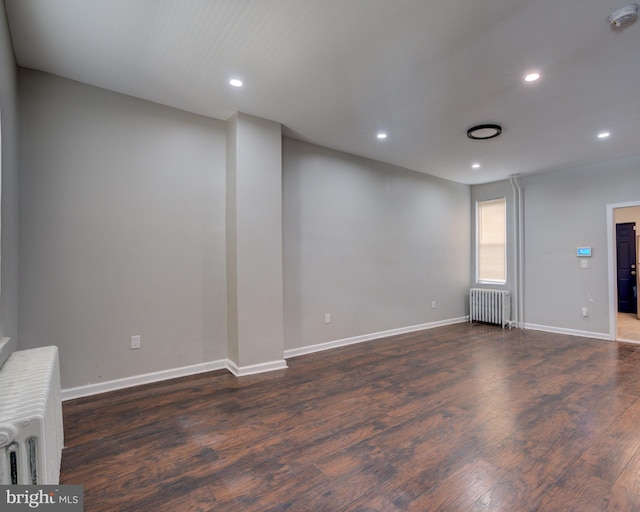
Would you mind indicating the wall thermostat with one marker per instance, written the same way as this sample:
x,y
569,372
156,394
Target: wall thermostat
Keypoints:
x,y
583,252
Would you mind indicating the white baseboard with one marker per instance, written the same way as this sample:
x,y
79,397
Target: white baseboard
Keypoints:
x,y
184,371
241,371
624,340
137,380
570,332
294,352
6,347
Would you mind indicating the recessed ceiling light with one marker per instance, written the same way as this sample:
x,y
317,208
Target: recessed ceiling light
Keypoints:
x,y
484,131
603,135
532,77
235,82
475,165
382,135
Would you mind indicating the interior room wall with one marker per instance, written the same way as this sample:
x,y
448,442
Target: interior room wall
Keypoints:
x,y
9,184
370,244
565,209
122,231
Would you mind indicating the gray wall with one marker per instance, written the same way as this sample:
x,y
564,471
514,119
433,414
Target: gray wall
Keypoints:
x,y
369,243
121,231
565,209
122,223
9,200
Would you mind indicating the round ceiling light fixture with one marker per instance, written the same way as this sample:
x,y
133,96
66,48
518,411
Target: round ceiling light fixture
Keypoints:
x,y
484,131
624,15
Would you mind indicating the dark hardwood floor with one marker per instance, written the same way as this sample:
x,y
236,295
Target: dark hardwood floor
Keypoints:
x,y
459,418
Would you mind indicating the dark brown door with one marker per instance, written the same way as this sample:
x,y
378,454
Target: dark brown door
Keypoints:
x,y
626,264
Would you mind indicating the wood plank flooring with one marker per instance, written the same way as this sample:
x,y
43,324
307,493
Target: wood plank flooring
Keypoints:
x,y
458,418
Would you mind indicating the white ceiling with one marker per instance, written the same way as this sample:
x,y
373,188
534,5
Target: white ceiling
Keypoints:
x,y
335,72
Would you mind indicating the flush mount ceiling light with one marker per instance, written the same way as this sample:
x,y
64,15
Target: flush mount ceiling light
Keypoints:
x,y
532,77
623,16
475,165
484,131
382,135
604,135
235,82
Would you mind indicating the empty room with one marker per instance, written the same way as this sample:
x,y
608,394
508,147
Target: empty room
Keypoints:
x,y
320,255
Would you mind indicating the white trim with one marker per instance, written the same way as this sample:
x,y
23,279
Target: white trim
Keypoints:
x,y
570,332
624,340
294,352
6,347
241,371
611,253
500,282
137,380
611,272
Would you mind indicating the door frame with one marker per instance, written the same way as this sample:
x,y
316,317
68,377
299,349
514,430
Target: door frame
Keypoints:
x,y
613,273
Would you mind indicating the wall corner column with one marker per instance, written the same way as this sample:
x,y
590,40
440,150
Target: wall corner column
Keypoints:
x,y
255,290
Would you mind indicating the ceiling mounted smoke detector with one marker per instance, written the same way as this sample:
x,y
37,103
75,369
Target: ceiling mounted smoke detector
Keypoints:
x,y
624,15
484,131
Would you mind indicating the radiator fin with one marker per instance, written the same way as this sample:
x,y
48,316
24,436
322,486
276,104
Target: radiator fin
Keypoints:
x,y
31,432
490,306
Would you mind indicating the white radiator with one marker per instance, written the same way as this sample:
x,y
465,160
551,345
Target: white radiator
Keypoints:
x,y
490,306
31,434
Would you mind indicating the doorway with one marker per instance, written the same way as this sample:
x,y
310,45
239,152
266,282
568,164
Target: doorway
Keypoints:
x,y
624,246
626,267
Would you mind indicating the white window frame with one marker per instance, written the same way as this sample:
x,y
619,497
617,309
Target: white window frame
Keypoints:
x,y
477,247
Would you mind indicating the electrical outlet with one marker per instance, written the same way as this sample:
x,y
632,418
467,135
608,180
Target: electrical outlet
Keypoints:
x,y
135,342
327,318
433,304
584,263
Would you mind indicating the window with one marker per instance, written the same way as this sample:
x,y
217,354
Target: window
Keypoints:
x,y
491,241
